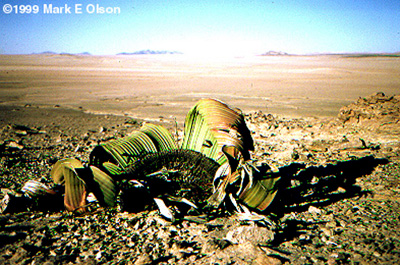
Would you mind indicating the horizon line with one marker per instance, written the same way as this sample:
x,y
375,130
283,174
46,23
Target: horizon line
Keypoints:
x,y
168,52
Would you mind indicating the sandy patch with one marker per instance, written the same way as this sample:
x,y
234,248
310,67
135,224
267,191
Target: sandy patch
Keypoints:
x,y
165,87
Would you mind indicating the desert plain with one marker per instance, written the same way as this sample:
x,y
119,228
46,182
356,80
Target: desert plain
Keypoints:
x,y
330,124
166,86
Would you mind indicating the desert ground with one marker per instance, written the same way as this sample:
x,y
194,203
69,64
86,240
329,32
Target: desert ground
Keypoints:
x,y
166,86
328,123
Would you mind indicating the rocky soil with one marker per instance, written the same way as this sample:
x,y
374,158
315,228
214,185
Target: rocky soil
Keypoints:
x,y
338,201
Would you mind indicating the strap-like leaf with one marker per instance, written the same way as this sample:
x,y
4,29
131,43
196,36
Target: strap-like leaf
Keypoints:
x,y
112,168
107,191
181,200
211,124
227,180
123,151
232,154
75,189
128,149
57,172
160,136
261,193
255,187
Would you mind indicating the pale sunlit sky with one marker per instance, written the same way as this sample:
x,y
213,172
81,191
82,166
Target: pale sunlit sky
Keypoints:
x,y
203,27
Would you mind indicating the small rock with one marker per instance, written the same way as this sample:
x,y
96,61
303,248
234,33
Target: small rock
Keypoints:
x,y
331,261
338,230
264,259
85,137
304,238
78,149
19,256
327,232
4,202
21,133
256,235
330,224
14,145
314,210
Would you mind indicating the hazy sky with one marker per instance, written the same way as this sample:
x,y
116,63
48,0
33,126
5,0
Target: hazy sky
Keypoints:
x,y
203,27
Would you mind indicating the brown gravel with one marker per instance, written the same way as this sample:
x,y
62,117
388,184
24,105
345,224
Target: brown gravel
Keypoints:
x,y
338,202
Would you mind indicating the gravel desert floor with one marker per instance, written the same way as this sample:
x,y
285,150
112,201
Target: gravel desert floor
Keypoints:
x,y
334,140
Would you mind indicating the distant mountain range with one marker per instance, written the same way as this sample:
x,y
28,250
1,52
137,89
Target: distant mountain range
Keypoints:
x,y
269,53
122,53
361,55
47,52
353,55
63,53
274,53
149,52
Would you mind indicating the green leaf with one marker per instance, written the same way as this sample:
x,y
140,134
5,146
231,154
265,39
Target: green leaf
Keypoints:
x,y
112,168
106,191
128,149
253,186
75,189
79,181
160,136
261,193
57,172
211,124
125,151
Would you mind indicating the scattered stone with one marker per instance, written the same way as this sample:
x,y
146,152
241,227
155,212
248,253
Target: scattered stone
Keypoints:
x,y
14,145
304,238
334,213
376,111
314,210
21,133
253,234
143,260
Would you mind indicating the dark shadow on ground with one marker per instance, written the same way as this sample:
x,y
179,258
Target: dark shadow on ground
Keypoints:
x,y
301,187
